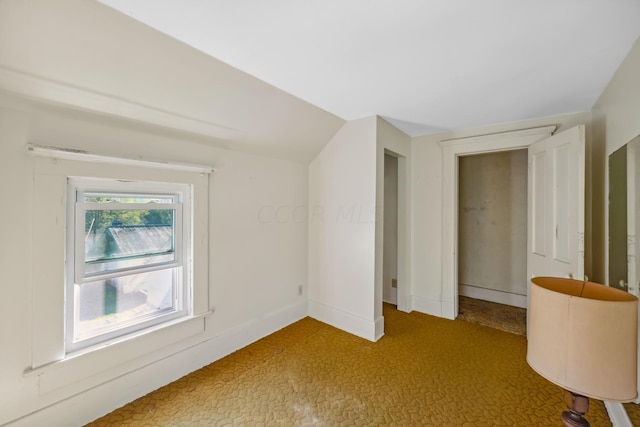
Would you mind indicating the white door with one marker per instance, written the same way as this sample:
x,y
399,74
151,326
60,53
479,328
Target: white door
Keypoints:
x,y
556,205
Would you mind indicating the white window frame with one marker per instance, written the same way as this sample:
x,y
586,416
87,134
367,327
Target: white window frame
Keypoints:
x,y
75,251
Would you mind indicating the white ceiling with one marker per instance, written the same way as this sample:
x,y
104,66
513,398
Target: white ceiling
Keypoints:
x,y
426,66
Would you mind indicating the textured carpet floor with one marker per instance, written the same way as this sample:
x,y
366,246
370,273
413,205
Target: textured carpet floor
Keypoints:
x,y
425,371
498,316
633,411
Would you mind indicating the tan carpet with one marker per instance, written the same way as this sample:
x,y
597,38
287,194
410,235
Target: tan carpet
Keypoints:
x,y
633,410
425,371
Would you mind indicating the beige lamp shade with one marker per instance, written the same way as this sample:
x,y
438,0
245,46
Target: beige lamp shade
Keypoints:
x,y
583,337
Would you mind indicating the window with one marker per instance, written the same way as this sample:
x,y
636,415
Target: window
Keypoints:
x,y
127,243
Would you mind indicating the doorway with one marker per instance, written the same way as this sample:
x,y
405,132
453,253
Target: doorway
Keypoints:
x,y
556,202
452,150
390,231
492,227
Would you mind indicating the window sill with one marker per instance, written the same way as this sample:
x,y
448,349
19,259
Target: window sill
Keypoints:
x,y
100,363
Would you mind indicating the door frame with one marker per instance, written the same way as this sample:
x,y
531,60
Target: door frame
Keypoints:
x,y
385,243
404,239
451,150
633,154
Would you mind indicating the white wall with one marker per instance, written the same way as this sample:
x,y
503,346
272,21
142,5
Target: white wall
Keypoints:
x,y
159,99
492,226
342,228
346,204
257,258
615,116
79,75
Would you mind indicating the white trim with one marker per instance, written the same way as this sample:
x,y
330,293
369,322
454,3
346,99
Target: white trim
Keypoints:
x,y
47,315
450,309
379,328
120,350
34,86
75,258
81,155
617,414
426,305
501,297
490,139
348,322
403,292
451,150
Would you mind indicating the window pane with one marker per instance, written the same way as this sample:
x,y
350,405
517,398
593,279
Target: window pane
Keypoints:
x,y
106,305
128,238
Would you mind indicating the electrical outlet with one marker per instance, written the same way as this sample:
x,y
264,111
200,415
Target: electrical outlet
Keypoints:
x,y
300,290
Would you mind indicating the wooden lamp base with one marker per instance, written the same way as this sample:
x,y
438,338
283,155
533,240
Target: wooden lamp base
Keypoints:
x,y
578,406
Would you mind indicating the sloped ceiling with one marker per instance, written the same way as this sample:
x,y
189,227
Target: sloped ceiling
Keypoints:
x,y
89,58
280,77
425,66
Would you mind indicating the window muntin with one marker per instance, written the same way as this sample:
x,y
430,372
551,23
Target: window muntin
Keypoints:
x,y
127,255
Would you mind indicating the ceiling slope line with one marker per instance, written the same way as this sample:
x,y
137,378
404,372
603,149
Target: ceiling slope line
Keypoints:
x,y
42,88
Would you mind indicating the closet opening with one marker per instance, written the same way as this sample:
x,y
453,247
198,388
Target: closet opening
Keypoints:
x,y
492,237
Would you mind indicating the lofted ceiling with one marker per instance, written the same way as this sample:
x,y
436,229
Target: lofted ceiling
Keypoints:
x,y
425,66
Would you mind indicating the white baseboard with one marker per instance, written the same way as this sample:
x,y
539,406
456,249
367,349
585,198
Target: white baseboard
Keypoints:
x,y
95,402
405,302
493,295
379,328
348,322
448,310
390,296
426,305
617,414
433,307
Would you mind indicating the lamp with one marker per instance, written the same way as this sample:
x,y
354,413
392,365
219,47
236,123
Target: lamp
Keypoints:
x,y
583,337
